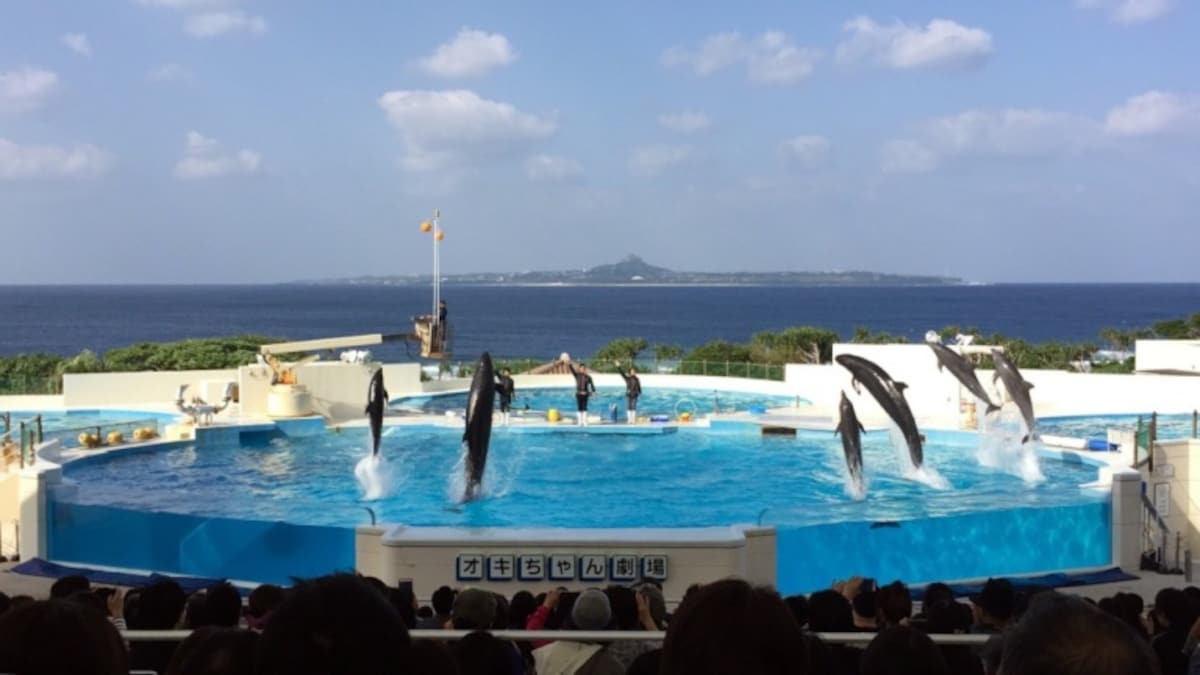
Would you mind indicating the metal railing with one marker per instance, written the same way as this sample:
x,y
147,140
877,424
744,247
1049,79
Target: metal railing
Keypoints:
x,y
28,435
519,364
69,437
582,636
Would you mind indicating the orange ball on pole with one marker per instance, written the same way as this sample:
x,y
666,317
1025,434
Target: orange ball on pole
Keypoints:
x,y
439,235
425,226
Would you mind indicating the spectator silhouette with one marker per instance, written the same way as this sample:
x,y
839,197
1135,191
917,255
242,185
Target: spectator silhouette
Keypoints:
x,y
56,637
732,627
335,625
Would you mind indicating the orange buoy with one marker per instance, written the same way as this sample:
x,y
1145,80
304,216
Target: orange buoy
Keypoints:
x,y
439,235
425,226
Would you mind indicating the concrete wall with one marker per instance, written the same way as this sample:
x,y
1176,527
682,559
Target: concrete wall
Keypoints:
x,y
1175,483
91,390
1167,355
428,556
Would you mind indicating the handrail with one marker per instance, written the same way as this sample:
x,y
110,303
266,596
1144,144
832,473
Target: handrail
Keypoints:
x,y
974,639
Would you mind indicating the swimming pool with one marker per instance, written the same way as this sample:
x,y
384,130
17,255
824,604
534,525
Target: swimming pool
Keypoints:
x,y
274,506
654,400
1096,426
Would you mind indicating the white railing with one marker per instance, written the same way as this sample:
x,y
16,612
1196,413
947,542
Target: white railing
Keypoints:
x,y
581,636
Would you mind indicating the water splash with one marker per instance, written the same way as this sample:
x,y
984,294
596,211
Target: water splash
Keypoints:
x,y
499,475
856,489
376,477
924,474
1000,445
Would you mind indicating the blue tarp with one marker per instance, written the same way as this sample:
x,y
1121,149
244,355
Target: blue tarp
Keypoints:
x,y
37,567
1055,580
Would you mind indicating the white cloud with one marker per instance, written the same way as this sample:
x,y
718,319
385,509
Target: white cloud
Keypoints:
x,y
451,128
78,43
903,46
805,152
215,24
651,160
770,58
907,156
1154,112
50,161
1129,11
203,158
549,168
470,53
168,72
26,88
1011,132
686,122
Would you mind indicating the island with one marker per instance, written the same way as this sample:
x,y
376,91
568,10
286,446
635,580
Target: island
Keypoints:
x,y
633,270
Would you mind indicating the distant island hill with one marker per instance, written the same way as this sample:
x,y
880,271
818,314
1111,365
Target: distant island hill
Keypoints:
x,y
633,270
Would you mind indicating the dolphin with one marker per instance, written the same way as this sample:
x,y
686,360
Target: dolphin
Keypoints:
x,y
1018,389
851,430
479,423
890,395
377,398
964,371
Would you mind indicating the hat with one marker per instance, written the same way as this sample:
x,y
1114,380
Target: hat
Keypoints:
x,y
473,608
591,610
996,598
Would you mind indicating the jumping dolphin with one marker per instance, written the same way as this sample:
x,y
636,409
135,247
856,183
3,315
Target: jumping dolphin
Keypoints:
x,y
479,423
377,398
890,395
964,371
851,430
1018,389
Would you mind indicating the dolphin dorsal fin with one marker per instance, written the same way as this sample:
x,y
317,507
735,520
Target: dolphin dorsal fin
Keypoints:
x,y
901,386
1029,385
862,428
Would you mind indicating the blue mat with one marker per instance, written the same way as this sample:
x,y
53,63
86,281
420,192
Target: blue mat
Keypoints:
x,y
37,567
1056,580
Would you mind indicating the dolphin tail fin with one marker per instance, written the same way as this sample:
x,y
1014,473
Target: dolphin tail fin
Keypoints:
x,y
991,408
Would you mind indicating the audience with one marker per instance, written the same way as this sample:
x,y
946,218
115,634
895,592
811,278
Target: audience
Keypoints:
x,y
350,624
729,627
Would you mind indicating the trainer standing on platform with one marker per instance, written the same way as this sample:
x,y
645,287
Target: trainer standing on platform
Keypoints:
x,y
633,389
584,388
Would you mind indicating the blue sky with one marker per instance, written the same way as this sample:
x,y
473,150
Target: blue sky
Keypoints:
x,y
267,140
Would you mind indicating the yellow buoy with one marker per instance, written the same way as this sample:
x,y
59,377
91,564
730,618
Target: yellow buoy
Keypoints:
x,y
115,438
425,226
552,415
685,417
83,439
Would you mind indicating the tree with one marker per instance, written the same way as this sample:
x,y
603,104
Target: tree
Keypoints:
x,y
720,350
1175,329
863,335
667,352
619,349
799,344
1118,339
85,361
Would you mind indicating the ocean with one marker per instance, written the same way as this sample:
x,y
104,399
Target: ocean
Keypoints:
x,y
544,321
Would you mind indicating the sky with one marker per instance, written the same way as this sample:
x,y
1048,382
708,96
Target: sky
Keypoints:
x,y
231,141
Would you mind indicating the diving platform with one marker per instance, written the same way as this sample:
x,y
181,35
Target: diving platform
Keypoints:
x,y
617,429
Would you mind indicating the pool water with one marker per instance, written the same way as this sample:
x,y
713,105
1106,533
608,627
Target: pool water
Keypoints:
x,y
272,496
654,400
1097,426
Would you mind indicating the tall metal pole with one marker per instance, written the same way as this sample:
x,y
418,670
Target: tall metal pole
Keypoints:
x,y
437,276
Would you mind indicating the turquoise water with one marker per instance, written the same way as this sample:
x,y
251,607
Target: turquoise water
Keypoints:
x,y
1096,426
276,506
654,400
